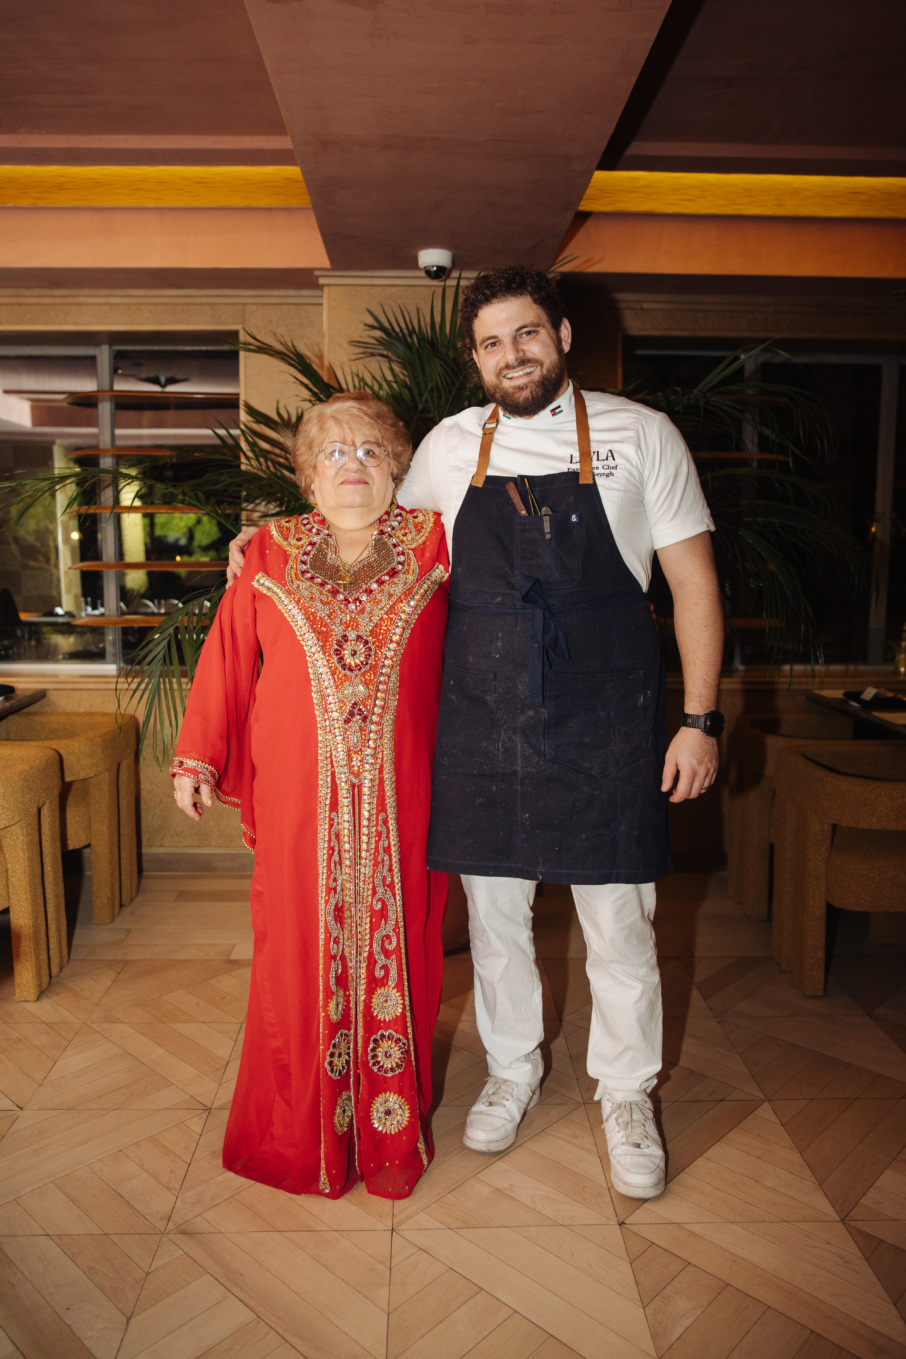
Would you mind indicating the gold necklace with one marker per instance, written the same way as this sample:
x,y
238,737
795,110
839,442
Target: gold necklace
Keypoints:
x,y
345,568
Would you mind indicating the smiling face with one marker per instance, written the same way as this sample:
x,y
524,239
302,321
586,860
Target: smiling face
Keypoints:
x,y
520,356
351,486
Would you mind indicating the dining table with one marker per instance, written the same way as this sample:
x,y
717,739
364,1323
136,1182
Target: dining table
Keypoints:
x,y
14,703
868,723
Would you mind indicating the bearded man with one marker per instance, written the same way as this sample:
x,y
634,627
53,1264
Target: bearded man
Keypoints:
x,y
552,760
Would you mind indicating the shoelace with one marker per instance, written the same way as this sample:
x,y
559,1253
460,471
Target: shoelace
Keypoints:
x,y
630,1118
497,1093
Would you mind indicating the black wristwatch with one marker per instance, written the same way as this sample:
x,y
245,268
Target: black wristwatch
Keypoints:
x,y
712,723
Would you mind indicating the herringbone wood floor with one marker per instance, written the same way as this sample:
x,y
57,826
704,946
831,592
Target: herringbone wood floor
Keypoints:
x,y
782,1233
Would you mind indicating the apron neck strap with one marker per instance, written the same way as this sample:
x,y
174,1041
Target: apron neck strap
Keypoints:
x,y
586,475
489,429
484,453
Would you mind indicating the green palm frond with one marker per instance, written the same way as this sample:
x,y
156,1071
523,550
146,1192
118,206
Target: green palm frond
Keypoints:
x,y
315,386
746,415
420,367
78,486
416,364
772,529
154,680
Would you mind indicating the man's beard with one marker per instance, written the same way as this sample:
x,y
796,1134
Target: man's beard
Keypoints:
x,y
531,397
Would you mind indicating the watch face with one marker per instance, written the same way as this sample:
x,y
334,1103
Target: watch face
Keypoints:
x,y
714,723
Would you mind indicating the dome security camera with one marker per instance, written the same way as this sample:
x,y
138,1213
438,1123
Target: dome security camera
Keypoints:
x,y
436,264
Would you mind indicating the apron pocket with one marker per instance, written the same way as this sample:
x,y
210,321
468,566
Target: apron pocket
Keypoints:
x,y
554,560
597,723
468,732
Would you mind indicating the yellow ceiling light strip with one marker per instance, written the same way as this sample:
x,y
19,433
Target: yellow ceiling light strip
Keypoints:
x,y
152,186
647,191
280,186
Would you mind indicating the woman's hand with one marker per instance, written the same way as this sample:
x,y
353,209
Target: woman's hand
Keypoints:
x,y
237,553
185,790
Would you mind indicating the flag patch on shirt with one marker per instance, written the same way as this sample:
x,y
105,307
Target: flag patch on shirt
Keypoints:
x,y
557,410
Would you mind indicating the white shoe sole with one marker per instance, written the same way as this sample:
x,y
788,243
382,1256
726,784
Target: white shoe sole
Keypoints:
x,y
500,1143
637,1191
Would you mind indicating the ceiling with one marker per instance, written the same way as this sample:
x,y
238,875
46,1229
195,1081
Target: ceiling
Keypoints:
x,y
469,124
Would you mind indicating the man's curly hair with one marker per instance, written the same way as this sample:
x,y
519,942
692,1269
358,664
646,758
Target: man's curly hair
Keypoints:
x,y
514,280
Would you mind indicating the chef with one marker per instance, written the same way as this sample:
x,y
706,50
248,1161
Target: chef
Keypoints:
x,y
552,759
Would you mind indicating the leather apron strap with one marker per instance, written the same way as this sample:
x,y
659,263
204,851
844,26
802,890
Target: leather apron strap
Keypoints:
x,y
586,475
484,453
489,429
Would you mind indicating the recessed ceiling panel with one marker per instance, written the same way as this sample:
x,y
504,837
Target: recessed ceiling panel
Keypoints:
x,y
470,125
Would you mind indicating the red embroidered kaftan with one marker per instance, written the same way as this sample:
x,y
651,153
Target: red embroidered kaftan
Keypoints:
x,y
327,751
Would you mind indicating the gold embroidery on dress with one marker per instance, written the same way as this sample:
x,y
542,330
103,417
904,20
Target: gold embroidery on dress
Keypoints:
x,y
343,1113
386,1003
390,767
337,1059
389,1113
387,1053
370,592
385,903
335,1008
188,765
354,577
415,528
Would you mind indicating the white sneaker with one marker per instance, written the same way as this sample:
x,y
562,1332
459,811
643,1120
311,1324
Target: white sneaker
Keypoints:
x,y
637,1162
495,1117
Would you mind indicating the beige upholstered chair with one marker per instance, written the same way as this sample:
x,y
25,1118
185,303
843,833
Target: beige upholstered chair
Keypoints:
x,y
754,747
841,838
98,802
31,870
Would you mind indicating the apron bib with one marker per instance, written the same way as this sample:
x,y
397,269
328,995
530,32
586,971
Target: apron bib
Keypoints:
x,y
551,738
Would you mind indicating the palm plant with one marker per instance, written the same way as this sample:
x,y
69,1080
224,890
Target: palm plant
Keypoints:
x,y
750,440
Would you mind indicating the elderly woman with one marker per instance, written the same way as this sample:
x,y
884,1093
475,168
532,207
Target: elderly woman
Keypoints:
x,y
313,710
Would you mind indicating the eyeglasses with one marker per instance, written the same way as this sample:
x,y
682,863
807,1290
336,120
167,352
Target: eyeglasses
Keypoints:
x,y
369,455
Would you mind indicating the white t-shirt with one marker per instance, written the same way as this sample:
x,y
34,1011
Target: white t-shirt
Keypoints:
x,y
643,469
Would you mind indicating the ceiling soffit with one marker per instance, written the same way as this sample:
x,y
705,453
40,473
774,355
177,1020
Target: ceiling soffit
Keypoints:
x,y
474,126
802,88
103,82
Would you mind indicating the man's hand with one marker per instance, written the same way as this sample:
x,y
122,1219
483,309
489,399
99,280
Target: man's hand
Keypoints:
x,y
691,764
237,554
185,790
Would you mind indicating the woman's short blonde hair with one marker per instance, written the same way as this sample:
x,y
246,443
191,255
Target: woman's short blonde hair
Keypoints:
x,y
359,415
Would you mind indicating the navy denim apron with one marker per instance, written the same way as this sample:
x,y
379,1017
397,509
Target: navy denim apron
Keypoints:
x,y
551,739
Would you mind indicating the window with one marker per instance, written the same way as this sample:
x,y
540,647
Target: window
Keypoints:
x,y
864,476
160,395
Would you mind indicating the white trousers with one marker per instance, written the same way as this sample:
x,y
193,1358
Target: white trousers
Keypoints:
x,y
624,1043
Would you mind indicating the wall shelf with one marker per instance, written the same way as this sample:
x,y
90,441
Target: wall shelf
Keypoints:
x,y
122,620
149,566
165,400
76,453
136,509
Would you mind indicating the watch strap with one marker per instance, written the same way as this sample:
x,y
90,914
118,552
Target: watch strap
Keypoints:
x,y
711,723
